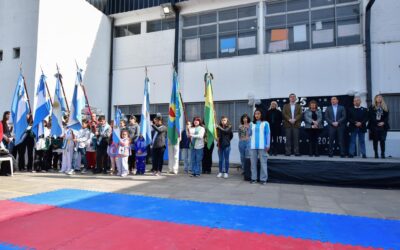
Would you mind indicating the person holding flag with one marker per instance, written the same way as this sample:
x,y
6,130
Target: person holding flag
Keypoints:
x,y
43,108
175,125
78,104
145,122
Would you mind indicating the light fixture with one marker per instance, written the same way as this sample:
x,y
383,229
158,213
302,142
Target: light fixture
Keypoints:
x,y
167,9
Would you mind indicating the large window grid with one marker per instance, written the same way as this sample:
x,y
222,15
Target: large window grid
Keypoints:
x,y
232,109
127,30
223,33
305,24
161,24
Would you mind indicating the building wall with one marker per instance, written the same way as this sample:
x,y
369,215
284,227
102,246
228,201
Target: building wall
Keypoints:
x,y
18,28
75,30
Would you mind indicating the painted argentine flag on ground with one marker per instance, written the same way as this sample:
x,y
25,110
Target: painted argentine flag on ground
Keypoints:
x,y
78,103
43,107
145,123
19,110
59,106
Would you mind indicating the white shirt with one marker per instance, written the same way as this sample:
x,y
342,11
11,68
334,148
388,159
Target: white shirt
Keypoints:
x,y
292,108
197,138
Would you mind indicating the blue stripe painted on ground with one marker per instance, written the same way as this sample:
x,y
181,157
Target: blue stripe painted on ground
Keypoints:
x,y
8,246
356,231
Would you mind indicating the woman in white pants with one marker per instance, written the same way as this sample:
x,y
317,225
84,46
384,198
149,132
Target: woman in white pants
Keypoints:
x,y
67,151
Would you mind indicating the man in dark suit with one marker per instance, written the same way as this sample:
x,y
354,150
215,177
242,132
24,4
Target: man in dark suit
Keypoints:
x,y
358,118
292,115
335,115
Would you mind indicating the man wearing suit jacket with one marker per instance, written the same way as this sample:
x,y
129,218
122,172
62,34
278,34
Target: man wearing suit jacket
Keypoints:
x,y
335,115
292,113
358,118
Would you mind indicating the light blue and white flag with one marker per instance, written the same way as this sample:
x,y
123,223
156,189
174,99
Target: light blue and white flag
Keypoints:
x,y
42,108
59,106
78,103
116,130
20,110
145,122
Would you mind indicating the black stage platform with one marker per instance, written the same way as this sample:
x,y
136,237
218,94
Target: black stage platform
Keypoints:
x,y
355,172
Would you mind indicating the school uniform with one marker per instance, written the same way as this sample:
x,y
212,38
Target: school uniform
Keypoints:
x,y
67,151
259,140
124,151
141,154
83,139
101,150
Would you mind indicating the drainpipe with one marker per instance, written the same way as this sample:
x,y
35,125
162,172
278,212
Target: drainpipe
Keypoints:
x,y
110,73
176,47
368,64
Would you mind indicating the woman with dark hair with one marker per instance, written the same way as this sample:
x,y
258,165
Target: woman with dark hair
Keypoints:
x,y
259,146
27,145
196,135
159,144
313,121
274,118
225,135
379,124
7,130
244,130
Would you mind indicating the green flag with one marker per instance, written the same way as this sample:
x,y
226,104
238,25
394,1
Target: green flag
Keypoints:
x,y
209,112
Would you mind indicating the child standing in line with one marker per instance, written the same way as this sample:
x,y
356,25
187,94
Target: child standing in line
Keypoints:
x,y
67,150
123,154
112,152
82,140
140,148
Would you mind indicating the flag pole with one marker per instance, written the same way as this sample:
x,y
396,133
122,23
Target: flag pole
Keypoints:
x,y
62,87
84,91
47,88
26,90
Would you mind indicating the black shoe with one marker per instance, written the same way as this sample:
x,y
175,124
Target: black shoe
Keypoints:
x,y
383,156
287,154
297,155
342,156
253,182
350,156
376,156
316,155
364,156
330,155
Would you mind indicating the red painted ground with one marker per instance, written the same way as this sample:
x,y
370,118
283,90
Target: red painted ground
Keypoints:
x,y
43,227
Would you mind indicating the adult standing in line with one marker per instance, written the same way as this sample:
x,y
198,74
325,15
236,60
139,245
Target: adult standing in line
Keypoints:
x,y
358,118
185,149
244,131
292,115
379,124
313,126
225,135
259,147
134,131
274,118
7,132
335,115
160,134
196,135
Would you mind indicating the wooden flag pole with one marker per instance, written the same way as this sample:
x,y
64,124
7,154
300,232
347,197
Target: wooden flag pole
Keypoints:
x,y
62,87
84,91
26,90
47,88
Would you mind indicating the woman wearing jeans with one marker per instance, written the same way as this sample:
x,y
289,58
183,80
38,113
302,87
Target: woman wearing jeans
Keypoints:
x,y
259,147
196,135
225,135
244,130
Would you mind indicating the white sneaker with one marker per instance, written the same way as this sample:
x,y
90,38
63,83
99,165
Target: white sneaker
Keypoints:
x,y
226,176
124,175
219,175
71,172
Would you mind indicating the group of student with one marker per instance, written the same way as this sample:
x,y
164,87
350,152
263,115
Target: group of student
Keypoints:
x,y
93,147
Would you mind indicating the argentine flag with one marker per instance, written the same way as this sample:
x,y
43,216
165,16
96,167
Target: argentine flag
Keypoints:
x,y
78,103
59,106
145,123
116,130
19,110
43,107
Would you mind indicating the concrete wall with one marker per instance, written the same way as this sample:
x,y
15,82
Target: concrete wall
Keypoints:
x,y
75,30
18,28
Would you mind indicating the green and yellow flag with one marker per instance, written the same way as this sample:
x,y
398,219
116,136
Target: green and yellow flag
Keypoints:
x,y
209,112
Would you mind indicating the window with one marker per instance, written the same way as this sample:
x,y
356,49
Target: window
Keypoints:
x,y
127,30
159,25
16,53
305,24
393,103
1,55
223,33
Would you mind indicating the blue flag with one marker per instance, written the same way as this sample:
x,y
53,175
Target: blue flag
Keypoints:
x,y
59,107
43,107
78,103
145,122
116,130
20,110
